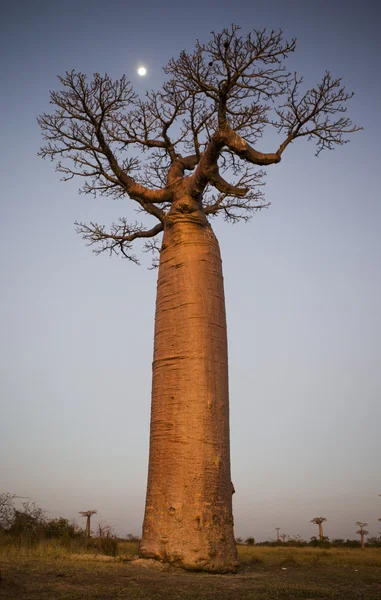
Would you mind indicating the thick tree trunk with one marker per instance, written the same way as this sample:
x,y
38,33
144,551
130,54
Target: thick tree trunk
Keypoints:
x,y
188,519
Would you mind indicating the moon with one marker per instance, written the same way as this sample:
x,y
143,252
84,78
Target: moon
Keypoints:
x,y
142,71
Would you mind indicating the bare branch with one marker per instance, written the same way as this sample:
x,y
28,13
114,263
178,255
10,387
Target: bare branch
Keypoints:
x,y
79,132
119,239
314,114
234,207
226,188
208,119
206,168
154,247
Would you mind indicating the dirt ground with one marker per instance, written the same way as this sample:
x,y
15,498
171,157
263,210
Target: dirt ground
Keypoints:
x,y
72,580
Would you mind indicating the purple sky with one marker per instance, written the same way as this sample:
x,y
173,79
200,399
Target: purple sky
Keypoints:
x,y
303,284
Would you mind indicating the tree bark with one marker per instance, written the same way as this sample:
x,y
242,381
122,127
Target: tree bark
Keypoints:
x,y
188,518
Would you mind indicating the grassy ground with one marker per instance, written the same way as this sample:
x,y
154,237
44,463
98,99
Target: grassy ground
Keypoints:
x,y
49,571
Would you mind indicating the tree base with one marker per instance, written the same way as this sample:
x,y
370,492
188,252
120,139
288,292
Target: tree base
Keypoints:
x,y
150,563
192,561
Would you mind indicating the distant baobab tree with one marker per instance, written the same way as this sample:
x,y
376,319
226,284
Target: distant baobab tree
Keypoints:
x,y
169,153
277,533
283,537
362,532
319,521
88,514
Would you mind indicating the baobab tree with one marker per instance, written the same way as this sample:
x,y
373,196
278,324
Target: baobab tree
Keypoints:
x,y
172,154
319,521
362,532
88,514
277,533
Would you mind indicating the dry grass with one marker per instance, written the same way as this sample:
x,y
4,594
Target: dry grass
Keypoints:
x,y
60,550
49,570
248,555
337,557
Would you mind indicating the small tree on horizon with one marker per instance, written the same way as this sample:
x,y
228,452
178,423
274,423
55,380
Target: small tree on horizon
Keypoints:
x,y
88,514
319,521
362,532
184,155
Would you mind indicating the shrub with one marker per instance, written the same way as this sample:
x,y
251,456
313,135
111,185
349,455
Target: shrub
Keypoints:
x,y
7,510
109,545
108,542
27,523
60,527
353,544
320,543
132,538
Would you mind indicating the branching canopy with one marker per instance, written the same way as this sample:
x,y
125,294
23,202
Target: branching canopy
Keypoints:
x,y
318,520
203,125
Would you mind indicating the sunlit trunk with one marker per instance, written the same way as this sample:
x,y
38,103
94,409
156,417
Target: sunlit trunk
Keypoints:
x,y
188,519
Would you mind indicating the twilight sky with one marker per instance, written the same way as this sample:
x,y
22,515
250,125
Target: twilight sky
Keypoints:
x,y
303,285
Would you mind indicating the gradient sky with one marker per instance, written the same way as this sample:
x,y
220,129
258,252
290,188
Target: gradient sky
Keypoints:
x,y
303,286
